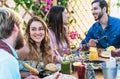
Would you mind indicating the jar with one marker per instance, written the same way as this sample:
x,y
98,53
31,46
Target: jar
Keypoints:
x,y
93,53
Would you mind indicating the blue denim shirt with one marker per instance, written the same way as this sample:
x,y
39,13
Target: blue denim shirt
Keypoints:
x,y
111,33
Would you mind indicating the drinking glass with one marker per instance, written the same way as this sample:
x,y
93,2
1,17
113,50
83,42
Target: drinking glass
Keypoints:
x,y
65,67
81,72
109,73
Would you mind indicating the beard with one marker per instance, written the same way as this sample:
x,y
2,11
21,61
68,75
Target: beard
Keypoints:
x,y
99,16
19,41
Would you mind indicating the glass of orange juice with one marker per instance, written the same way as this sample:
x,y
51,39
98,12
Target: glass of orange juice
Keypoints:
x,y
93,53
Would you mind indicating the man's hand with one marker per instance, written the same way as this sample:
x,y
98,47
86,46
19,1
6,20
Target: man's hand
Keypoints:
x,y
92,43
115,53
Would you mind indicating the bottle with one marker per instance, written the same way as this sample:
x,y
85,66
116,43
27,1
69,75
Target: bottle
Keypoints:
x,y
89,73
81,71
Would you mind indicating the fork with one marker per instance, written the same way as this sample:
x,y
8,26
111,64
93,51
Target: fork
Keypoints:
x,y
101,38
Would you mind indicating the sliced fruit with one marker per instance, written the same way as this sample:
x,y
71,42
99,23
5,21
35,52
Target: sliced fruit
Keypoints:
x,y
77,64
110,48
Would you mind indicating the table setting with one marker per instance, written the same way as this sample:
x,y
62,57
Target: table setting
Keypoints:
x,y
83,65
95,62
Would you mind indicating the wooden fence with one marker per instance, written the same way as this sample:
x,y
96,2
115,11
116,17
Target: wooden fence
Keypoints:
x,y
82,16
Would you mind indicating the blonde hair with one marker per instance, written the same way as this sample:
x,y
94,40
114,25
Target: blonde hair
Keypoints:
x,y
8,18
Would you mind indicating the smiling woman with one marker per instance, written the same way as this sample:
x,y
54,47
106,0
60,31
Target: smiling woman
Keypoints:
x,y
37,31
36,51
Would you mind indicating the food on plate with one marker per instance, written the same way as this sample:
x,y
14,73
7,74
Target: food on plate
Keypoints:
x,y
51,67
96,66
27,66
71,57
74,57
110,48
105,54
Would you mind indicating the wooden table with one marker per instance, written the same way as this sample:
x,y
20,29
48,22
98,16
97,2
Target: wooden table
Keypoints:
x,y
98,73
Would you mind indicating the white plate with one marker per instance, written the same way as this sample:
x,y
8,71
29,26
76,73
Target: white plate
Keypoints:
x,y
105,54
64,77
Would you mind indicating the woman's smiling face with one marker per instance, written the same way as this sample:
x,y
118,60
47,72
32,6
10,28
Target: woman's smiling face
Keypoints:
x,y
37,32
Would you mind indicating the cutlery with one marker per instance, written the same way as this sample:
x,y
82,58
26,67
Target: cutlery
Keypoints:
x,y
101,38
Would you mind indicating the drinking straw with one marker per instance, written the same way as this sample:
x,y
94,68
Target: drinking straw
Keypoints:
x,y
57,53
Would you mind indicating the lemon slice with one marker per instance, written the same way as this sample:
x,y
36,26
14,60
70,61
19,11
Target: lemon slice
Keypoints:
x,y
110,48
77,64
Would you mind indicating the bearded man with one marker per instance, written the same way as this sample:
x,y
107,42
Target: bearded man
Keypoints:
x,y
105,31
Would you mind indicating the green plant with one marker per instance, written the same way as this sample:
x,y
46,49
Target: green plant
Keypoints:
x,y
118,3
63,2
39,7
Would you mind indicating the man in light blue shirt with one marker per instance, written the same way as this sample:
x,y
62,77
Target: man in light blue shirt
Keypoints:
x,y
9,32
106,31
9,68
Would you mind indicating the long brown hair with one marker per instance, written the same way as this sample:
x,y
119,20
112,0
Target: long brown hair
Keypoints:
x,y
55,23
45,43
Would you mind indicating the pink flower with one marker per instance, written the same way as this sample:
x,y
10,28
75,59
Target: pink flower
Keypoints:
x,y
46,8
45,0
73,35
50,2
37,1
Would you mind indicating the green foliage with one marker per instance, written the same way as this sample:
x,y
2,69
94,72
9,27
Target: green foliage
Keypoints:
x,y
27,3
72,47
118,3
63,2
37,8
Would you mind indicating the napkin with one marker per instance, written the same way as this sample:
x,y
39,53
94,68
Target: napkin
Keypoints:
x,y
111,63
